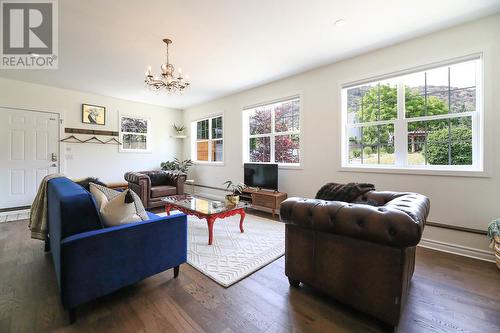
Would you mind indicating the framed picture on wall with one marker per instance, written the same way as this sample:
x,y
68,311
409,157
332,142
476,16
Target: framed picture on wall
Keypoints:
x,y
135,134
93,114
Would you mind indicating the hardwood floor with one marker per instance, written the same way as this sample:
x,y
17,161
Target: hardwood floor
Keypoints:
x,y
448,294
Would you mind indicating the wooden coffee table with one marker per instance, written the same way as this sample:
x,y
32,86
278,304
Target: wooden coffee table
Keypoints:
x,y
205,209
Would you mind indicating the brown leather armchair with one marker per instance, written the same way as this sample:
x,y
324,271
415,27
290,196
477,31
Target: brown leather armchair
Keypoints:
x,y
153,186
361,255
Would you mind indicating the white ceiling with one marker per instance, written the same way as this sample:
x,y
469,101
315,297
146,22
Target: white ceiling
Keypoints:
x,y
227,45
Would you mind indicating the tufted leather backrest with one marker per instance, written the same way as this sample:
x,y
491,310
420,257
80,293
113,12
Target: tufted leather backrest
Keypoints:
x,y
382,197
137,177
398,221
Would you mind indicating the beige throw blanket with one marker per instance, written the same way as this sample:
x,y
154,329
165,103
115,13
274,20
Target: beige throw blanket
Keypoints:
x,y
38,218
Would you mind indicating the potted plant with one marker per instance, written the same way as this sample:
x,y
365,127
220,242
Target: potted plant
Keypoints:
x,y
494,237
179,129
236,189
177,165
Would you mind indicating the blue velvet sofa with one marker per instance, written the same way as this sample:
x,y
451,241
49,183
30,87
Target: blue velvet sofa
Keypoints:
x,y
91,261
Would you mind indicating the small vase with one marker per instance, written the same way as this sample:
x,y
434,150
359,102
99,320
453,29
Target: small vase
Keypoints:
x,y
232,200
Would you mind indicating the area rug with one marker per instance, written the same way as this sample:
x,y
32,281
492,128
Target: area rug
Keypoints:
x,y
234,255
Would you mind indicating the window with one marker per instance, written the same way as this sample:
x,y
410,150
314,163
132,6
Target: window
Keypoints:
x,y
272,132
427,119
208,144
135,134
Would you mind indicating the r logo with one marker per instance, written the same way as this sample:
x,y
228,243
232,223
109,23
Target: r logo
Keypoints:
x,y
27,28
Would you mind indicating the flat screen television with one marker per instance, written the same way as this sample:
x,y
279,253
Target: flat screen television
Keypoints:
x,y
264,176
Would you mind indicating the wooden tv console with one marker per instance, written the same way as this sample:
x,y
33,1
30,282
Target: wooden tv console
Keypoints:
x,y
264,198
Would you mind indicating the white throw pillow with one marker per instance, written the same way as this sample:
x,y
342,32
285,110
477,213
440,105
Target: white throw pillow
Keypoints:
x,y
102,194
113,207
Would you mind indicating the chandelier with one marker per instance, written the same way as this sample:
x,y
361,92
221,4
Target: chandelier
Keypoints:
x,y
171,81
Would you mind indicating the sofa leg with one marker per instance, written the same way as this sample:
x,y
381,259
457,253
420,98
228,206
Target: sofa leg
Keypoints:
x,y
294,283
390,328
176,272
72,315
47,245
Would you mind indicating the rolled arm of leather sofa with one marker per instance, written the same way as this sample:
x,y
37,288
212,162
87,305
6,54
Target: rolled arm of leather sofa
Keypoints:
x,y
140,184
177,179
398,223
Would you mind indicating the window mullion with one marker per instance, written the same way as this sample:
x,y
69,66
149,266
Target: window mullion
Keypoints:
x,y
441,116
209,140
400,129
272,135
371,123
259,135
450,162
246,136
475,120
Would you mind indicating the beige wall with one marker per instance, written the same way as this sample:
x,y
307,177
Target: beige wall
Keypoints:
x,y
464,201
103,161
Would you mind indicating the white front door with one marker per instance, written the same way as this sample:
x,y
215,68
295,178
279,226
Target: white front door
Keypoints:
x,y
29,150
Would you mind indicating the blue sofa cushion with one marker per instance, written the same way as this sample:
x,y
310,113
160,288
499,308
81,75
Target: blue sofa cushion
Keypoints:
x,y
152,215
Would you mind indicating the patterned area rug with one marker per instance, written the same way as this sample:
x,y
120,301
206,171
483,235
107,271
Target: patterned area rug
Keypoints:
x,y
234,255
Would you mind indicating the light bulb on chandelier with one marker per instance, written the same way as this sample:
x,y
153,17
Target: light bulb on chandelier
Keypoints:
x,y
169,80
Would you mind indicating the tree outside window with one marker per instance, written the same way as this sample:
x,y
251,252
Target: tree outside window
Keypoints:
x,y
436,110
273,132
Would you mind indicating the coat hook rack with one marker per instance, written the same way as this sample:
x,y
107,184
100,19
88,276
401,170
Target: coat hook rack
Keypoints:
x,y
93,139
71,137
112,141
89,131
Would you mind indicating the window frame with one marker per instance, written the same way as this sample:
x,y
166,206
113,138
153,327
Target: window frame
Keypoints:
x,y
194,139
148,135
401,125
247,136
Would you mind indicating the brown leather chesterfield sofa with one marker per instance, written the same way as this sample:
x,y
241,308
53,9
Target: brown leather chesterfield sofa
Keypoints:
x,y
361,255
153,186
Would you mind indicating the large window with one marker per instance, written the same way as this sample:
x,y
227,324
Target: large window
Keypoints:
x,y
272,132
135,134
428,119
208,143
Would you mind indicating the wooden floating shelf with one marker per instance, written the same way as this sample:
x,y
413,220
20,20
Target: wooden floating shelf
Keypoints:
x,y
178,136
93,139
90,132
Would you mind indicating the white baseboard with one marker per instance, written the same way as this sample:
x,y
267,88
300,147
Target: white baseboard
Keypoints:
x,y
457,249
15,215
